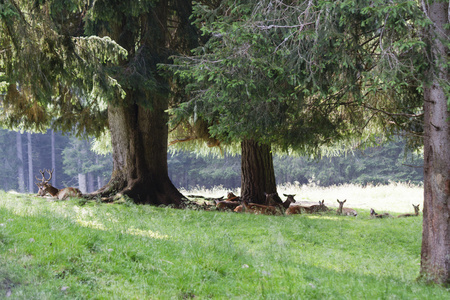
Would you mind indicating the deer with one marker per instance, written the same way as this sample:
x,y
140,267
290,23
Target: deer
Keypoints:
x,y
226,204
345,211
257,208
373,214
316,208
416,212
271,200
297,209
232,197
61,194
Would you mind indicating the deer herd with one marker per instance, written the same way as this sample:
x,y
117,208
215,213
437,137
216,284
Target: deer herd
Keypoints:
x,y
273,206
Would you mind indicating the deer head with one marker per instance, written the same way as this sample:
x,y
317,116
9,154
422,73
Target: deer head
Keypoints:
x,y
43,183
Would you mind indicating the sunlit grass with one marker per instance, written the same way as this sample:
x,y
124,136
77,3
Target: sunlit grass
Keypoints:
x,y
55,250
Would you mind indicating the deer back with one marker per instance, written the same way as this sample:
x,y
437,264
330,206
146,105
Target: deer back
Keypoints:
x,y
68,192
294,210
226,205
259,209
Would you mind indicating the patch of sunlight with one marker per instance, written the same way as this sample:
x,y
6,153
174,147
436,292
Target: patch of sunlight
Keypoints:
x,y
91,224
147,233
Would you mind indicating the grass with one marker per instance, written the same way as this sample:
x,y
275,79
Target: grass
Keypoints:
x,y
66,250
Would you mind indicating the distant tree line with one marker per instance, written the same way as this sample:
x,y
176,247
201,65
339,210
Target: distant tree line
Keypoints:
x,y
23,155
75,164
377,165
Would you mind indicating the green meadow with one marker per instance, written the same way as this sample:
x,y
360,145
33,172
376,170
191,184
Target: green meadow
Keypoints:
x,y
87,250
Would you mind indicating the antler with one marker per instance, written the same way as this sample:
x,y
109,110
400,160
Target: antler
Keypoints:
x,y
43,179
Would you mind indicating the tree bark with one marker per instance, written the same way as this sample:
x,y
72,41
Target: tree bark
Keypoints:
x,y
139,140
138,126
435,256
258,175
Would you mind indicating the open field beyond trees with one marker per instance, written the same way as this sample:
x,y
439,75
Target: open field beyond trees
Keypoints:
x,y
86,250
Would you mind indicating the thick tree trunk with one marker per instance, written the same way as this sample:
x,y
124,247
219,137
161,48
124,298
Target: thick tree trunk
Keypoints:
x,y
258,175
139,140
435,258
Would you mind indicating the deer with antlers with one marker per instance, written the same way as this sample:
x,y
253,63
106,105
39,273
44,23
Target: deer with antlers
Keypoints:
x,y
61,194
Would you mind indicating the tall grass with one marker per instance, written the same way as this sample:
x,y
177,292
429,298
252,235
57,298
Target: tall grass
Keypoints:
x,y
57,250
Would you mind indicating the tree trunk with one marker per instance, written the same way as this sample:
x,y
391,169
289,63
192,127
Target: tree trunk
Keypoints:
x,y
30,164
20,171
435,257
139,142
258,175
138,126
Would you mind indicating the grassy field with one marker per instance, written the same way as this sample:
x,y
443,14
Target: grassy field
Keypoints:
x,y
77,250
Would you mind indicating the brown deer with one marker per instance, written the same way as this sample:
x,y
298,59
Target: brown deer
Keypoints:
x,y
257,209
297,209
274,200
61,194
373,214
315,208
226,204
294,210
345,211
232,197
416,212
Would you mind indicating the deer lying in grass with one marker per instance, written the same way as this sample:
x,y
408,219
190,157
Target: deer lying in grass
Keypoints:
x,y
344,210
257,209
61,194
232,197
271,200
416,212
297,209
226,204
373,214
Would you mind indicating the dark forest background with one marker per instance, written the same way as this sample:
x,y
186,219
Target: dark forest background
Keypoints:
x,y
75,164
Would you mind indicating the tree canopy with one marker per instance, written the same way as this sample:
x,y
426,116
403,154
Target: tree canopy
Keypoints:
x,y
52,73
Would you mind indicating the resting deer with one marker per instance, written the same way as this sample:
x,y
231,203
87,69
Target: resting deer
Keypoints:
x,y
344,210
297,209
316,208
226,204
416,212
232,197
256,208
62,194
271,200
373,214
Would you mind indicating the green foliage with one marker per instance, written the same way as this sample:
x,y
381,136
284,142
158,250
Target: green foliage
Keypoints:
x,y
308,74
54,250
54,75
